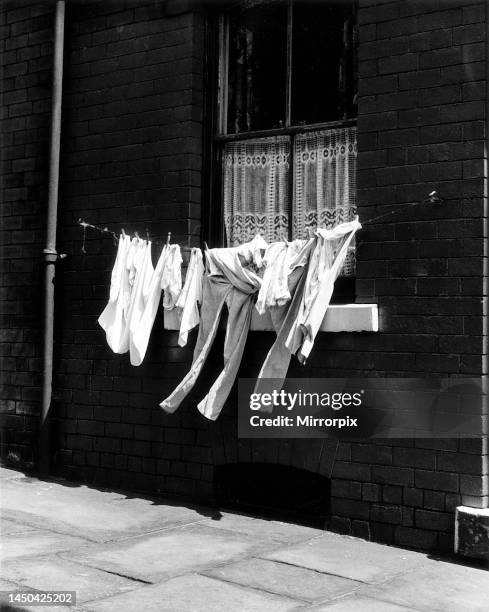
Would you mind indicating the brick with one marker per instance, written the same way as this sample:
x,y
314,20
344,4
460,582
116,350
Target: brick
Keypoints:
x,y
346,489
434,500
473,486
437,481
416,538
90,428
419,79
439,521
440,57
392,494
351,471
340,524
353,509
381,532
392,475
373,454
136,447
119,430
398,63
414,457
386,514
370,492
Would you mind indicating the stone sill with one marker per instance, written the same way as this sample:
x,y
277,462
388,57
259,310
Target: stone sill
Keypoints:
x,y
472,532
339,318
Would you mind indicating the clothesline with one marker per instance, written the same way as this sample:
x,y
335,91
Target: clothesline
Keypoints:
x,y
106,230
433,198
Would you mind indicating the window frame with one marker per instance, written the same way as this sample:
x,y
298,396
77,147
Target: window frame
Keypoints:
x,y
217,73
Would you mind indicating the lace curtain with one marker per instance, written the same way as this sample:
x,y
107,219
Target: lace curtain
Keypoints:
x,y
325,182
256,186
256,189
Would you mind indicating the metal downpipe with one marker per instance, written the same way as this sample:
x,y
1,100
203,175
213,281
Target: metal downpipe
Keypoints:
x,y
50,254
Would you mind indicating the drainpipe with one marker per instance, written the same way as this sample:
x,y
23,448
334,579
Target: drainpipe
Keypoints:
x,y
485,272
51,256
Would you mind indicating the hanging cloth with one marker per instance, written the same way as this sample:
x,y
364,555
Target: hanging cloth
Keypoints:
x,y
232,282
191,296
139,297
308,307
113,319
141,332
171,281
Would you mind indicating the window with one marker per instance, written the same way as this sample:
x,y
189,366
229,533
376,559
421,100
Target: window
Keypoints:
x,y
286,134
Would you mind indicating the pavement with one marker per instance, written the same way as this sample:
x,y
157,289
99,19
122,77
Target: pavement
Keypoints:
x,y
124,551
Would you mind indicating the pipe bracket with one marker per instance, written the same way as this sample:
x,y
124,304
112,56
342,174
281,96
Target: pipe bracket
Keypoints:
x,y
52,255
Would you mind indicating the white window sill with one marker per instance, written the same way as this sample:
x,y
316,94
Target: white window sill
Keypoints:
x,y
339,318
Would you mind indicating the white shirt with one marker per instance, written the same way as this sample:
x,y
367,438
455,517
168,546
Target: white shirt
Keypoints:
x,y
325,265
279,260
139,297
171,280
191,296
141,333
113,320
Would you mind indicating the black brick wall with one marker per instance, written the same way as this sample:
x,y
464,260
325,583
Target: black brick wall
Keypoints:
x,y
26,60
132,156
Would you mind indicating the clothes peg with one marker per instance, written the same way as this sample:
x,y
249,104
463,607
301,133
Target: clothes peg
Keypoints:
x,y
83,249
123,232
168,239
137,235
147,234
205,246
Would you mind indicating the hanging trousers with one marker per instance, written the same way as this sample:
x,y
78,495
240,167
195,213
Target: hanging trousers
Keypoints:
x,y
218,292
274,369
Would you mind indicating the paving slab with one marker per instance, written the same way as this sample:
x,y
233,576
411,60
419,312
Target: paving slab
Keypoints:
x,y
63,508
283,579
168,553
360,603
51,574
36,543
438,586
349,557
6,473
264,528
192,593
7,585
8,527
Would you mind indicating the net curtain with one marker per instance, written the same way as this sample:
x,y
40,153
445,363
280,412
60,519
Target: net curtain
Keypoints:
x,y
256,179
256,176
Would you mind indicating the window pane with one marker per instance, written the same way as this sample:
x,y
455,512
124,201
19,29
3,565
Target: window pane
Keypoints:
x,y
257,67
325,181
256,189
323,62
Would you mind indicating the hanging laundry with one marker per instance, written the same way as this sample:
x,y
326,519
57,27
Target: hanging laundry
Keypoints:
x,y
141,329
135,292
191,296
113,319
332,250
232,282
279,260
171,282
139,296
308,306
